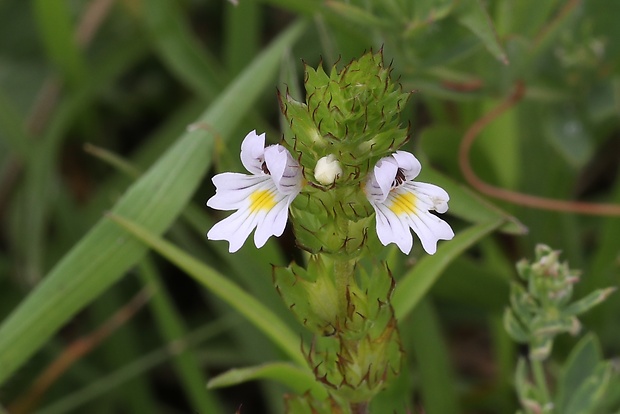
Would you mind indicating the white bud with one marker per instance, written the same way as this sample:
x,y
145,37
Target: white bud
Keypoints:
x,y
327,170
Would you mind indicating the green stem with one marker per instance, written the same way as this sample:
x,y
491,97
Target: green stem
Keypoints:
x,y
541,380
359,408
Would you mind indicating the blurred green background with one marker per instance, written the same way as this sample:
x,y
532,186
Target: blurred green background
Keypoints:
x,y
95,100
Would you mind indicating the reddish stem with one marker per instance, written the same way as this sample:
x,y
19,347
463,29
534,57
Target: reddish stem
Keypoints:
x,y
515,197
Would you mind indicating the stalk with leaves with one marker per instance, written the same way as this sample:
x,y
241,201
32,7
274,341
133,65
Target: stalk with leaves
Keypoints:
x,y
348,189
538,312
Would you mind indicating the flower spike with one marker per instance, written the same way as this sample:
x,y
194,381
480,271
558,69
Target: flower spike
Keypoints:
x,y
401,203
262,199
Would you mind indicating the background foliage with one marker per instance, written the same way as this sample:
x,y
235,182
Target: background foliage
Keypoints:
x,y
95,100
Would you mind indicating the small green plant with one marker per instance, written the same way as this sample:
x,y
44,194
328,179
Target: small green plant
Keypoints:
x,y
538,312
340,172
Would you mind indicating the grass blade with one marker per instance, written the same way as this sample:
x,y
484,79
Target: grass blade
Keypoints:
x,y
179,50
285,373
431,353
56,31
172,328
103,386
261,316
414,285
154,201
474,16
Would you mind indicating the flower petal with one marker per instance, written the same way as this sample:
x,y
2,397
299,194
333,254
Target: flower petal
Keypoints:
x,y
233,190
413,208
273,222
235,229
392,229
261,199
374,193
403,205
383,175
263,208
430,229
253,152
284,170
436,196
408,163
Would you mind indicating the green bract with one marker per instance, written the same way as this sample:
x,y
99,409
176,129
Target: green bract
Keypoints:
x,y
359,348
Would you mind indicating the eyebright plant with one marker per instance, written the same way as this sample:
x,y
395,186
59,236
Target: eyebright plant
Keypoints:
x,y
540,310
340,176
339,172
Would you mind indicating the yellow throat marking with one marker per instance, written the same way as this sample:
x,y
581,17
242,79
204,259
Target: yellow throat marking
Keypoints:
x,y
403,203
262,200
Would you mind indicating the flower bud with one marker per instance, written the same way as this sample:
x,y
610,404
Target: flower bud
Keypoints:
x,y
327,170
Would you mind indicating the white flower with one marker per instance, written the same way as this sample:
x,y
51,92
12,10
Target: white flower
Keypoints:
x,y
401,203
327,170
261,199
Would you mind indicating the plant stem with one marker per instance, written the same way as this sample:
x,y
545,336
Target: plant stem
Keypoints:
x,y
541,381
359,408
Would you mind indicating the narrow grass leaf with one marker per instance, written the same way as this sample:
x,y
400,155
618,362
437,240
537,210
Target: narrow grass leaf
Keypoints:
x,y
358,15
172,328
287,374
414,285
261,316
102,386
12,130
56,31
437,379
121,348
179,50
243,33
114,160
424,13
154,201
474,16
